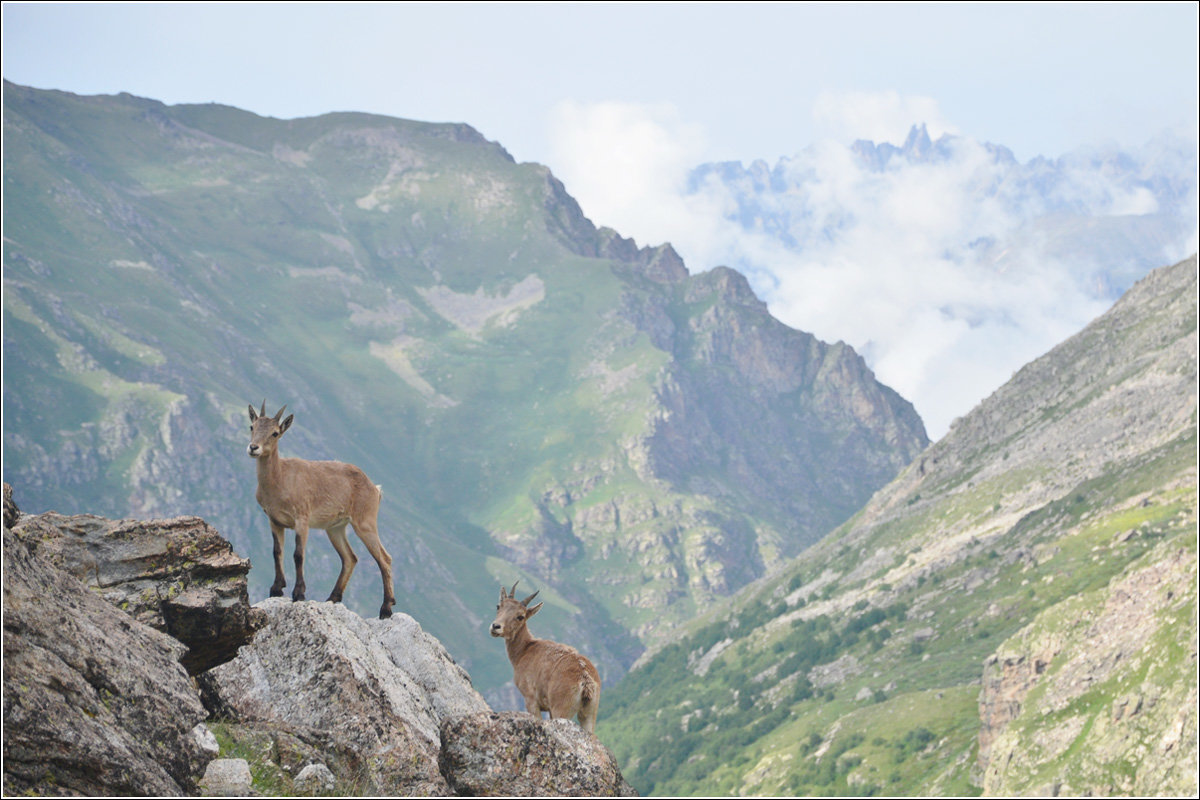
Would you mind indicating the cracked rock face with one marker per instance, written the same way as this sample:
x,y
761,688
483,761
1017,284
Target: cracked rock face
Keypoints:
x,y
95,703
379,688
179,576
517,754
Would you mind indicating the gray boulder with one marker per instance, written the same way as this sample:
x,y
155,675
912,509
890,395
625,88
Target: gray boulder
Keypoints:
x,y
377,688
95,703
179,576
315,779
227,777
517,754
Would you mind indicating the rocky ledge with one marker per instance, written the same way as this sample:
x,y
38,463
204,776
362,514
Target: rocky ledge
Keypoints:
x,y
178,576
97,699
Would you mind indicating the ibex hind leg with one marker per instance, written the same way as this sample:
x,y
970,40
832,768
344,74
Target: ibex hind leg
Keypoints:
x,y
587,715
369,533
337,535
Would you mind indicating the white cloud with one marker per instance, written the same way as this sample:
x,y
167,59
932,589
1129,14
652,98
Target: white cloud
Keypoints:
x,y
627,165
884,263
947,274
876,116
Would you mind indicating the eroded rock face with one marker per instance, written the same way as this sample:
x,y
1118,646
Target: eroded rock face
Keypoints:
x,y
379,688
95,703
179,576
517,754
11,512
1097,696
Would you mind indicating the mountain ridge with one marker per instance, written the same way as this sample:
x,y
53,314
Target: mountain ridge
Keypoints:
x,y
537,395
1061,493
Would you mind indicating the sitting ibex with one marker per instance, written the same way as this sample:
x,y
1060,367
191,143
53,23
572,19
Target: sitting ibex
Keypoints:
x,y
300,494
550,676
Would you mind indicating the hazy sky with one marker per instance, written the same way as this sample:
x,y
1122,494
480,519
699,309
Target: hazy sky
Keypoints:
x,y
755,80
622,100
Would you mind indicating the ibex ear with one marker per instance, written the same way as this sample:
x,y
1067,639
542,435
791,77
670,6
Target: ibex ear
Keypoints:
x,y
530,612
253,416
287,423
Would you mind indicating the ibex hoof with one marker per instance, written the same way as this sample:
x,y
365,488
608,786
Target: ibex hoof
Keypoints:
x,y
385,611
276,591
334,598
297,597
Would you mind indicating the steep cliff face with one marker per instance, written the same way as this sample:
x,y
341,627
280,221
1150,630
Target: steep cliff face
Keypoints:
x,y
1046,546
540,398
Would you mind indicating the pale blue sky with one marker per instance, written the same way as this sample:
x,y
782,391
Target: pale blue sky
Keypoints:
x,y
621,101
747,78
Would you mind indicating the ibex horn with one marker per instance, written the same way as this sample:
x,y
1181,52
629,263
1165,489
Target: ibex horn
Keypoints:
x,y
525,602
262,411
513,590
279,413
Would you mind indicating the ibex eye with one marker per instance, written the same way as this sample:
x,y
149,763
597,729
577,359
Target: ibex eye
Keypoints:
x,y
275,435
520,617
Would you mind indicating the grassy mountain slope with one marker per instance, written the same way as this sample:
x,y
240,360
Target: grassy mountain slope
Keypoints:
x,y
1015,612
539,398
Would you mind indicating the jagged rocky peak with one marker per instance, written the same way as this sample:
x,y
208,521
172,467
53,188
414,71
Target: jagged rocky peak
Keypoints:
x,y
726,284
660,263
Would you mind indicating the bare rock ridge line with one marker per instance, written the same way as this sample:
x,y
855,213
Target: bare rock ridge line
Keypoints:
x,y
97,699
1017,608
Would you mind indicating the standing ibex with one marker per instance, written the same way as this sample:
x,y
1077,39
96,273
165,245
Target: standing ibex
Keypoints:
x,y
300,494
550,676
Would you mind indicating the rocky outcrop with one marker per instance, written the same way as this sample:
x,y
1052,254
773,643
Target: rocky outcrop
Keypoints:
x,y
98,703
382,706
516,754
95,703
179,576
11,512
1098,695
375,688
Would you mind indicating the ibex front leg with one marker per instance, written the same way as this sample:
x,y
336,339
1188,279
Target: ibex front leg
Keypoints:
x,y
277,532
301,542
